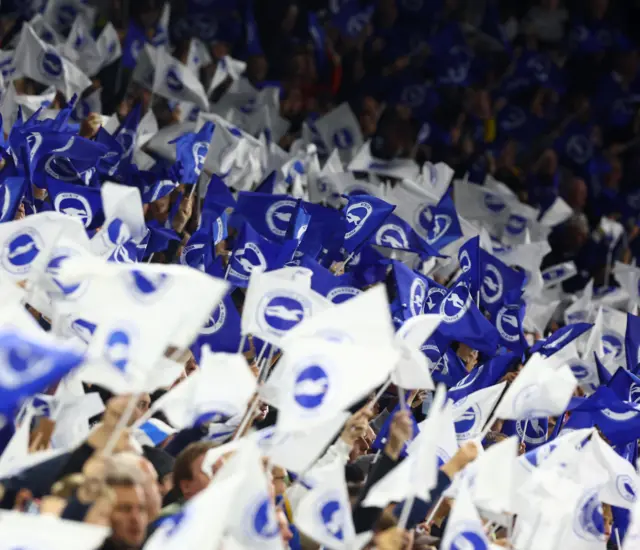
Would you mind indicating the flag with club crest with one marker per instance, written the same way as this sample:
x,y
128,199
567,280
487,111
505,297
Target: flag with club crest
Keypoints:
x,y
364,214
509,324
560,338
339,129
191,152
43,63
275,304
532,432
335,288
324,512
270,215
175,81
559,273
462,321
397,234
317,378
472,412
84,203
12,190
440,223
483,376
411,288
253,252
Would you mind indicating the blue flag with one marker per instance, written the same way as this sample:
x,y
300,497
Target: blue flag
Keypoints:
x,y
12,189
441,223
133,44
268,184
462,321
533,432
411,290
626,386
448,368
253,251
397,234
269,215
364,215
483,376
191,152
337,288
84,203
383,435
30,364
560,338
508,322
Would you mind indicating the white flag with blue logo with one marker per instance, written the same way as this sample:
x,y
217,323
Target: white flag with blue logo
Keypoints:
x,y
324,512
464,526
81,48
436,178
623,482
252,518
339,129
559,273
20,530
580,310
44,64
274,305
175,81
219,391
471,413
538,391
145,69
109,49
194,525
24,243
227,67
413,369
364,320
317,378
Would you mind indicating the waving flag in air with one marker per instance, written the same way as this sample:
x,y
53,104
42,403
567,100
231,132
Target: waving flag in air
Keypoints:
x,y
44,64
364,215
270,215
252,252
84,203
462,321
440,223
559,273
509,324
533,432
12,190
560,338
464,525
175,81
472,412
483,376
335,288
411,288
397,234
191,152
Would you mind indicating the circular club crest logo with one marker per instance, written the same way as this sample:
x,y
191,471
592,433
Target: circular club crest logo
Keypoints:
x,y
343,139
508,324
332,517
216,320
634,393
627,488
464,261
467,537
580,371
51,64
148,286
249,258
466,425
357,215
516,224
74,204
263,524
278,216
342,294
311,387
588,521
83,329
432,298
193,255
199,150
469,379
492,284
612,344
455,304
527,402
117,348
173,80
417,296
392,236
494,203
21,250
439,227
126,138
579,148
71,291
535,434
282,311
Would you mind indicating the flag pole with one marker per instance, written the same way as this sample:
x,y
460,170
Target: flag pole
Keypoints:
x,y
243,340
380,393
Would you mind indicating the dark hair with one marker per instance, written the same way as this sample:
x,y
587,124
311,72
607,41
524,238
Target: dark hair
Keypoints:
x,y
182,466
492,438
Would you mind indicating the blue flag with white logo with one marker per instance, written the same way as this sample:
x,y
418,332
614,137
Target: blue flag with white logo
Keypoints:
x,y
397,234
253,251
269,215
133,44
30,364
268,184
364,215
483,376
324,233
127,131
12,189
508,322
218,196
487,275
632,342
533,432
441,223
626,386
462,321
84,203
191,152
337,288
560,338
159,237
411,288
448,368
300,221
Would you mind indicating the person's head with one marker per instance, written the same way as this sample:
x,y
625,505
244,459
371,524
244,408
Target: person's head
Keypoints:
x,y
188,476
163,463
142,406
257,68
576,194
129,516
607,517
101,511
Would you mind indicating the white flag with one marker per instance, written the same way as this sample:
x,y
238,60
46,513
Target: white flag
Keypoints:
x,y
538,391
324,512
174,80
623,484
340,129
44,64
464,526
471,413
317,378
109,49
275,305
413,369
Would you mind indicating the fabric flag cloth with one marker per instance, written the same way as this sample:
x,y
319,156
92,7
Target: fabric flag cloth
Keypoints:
x,y
471,413
413,369
44,64
364,215
483,376
191,152
317,378
270,215
538,391
84,203
440,223
632,342
324,512
462,321
175,81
